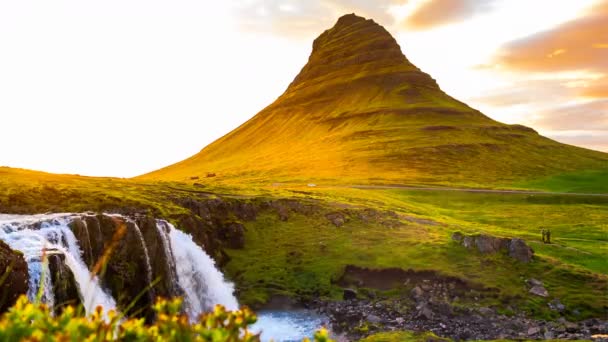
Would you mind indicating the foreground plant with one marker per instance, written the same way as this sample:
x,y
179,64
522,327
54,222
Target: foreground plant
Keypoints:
x,y
34,322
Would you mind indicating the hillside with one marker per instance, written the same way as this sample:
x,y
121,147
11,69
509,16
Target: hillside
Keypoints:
x,y
359,112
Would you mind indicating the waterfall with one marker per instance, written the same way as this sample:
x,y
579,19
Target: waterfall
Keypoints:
x,y
203,284
39,235
192,271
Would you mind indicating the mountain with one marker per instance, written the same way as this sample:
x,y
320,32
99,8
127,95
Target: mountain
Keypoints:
x,y
360,112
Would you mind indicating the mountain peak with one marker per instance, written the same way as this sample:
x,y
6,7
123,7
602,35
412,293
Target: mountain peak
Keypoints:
x,y
354,47
349,19
360,112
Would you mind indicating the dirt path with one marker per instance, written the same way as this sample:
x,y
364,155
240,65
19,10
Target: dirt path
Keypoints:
x,y
487,191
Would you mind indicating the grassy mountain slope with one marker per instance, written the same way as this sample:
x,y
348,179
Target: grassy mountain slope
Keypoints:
x,y
360,112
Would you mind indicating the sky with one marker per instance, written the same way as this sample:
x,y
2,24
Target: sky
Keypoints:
x,y
124,87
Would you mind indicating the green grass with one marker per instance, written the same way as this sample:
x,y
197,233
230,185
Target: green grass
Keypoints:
x,y
303,256
587,181
308,253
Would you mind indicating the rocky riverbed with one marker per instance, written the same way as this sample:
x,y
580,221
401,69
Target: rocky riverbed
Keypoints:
x,y
422,311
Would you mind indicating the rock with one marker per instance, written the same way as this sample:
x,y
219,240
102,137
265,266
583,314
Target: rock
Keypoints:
x,y
15,276
399,320
336,218
373,319
233,234
468,242
424,311
571,327
539,291
458,237
519,250
417,292
65,289
534,282
486,311
549,335
556,305
349,294
533,331
489,244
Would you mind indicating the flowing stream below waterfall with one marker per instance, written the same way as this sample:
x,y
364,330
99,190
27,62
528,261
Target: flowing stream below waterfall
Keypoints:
x,y
193,272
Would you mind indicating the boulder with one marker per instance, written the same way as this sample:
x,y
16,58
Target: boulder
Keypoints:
x,y
539,291
336,218
519,250
556,305
490,244
417,292
457,237
13,271
373,319
534,282
424,311
487,244
468,242
349,294
533,331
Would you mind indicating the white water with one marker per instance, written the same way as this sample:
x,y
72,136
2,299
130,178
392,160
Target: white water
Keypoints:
x,y
285,326
203,284
53,236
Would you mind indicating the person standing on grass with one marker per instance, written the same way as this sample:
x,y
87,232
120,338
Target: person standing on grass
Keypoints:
x,y
544,234
548,236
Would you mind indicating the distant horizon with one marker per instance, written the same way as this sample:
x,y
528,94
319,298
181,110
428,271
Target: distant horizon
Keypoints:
x,y
120,89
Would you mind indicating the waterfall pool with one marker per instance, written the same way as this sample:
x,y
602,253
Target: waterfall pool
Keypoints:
x,y
288,325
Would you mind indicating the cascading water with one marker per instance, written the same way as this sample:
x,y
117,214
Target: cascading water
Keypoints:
x,y
202,283
38,235
191,271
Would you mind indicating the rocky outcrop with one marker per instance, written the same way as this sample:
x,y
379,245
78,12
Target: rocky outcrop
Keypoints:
x,y
487,244
233,234
13,275
65,288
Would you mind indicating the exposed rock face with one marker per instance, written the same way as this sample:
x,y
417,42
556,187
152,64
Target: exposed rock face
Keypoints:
x,y
126,272
65,289
13,271
233,234
487,244
135,258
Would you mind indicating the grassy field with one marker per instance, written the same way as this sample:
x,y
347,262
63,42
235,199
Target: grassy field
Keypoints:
x,y
306,254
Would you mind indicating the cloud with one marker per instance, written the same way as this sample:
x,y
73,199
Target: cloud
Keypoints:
x,y
580,44
596,89
303,19
591,116
595,140
434,13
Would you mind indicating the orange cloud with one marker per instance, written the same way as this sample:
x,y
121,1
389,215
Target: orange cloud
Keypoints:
x,y
580,44
596,89
440,12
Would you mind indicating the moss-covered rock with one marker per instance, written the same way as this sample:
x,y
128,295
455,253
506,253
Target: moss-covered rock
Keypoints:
x,y
13,276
